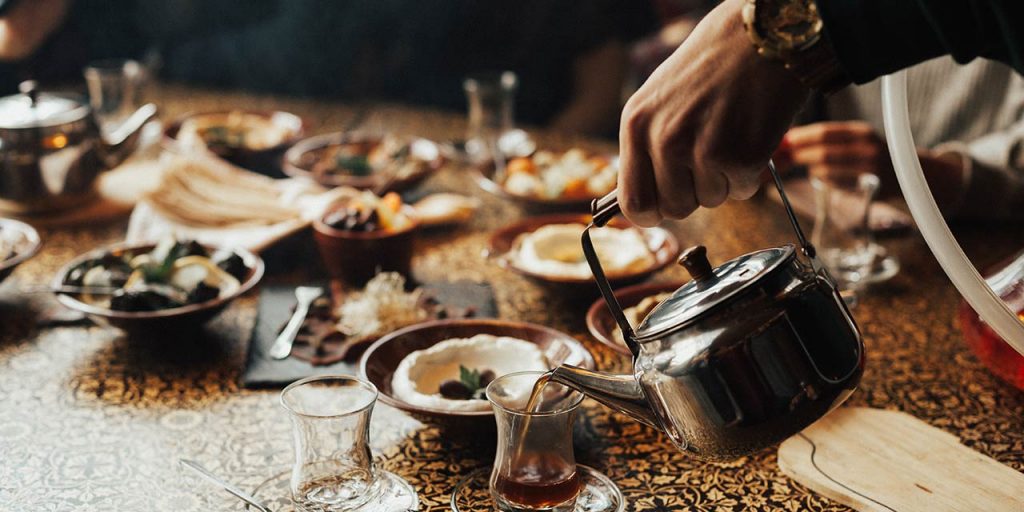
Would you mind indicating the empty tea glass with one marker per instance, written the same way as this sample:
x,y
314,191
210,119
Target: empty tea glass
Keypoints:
x,y
851,254
333,469
115,91
535,468
491,98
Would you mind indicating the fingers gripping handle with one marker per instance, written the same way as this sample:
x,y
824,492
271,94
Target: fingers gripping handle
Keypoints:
x,y
606,208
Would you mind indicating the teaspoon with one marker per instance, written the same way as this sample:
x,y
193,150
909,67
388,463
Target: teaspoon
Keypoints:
x,y
235,491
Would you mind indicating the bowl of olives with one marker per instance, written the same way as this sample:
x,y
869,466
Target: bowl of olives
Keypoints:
x,y
145,288
367,235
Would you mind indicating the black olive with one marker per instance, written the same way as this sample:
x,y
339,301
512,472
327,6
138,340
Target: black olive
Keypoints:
x,y
145,300
194,248
112,260
234,264
202,293
486,377
76,274
455,390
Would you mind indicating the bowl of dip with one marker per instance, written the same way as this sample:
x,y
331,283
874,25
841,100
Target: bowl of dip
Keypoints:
x,y
18,243
547,250
411,366
252,139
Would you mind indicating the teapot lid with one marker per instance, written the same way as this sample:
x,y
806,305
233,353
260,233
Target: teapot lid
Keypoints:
x,y
34,109
709,287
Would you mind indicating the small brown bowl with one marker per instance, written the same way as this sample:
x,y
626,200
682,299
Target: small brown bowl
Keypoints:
x,y
602,325
155,323
662,244
383,357
25,250
355,256
484,176
296,163
264,161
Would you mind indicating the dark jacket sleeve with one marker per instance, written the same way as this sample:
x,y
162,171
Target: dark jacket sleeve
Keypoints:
x,y
876,37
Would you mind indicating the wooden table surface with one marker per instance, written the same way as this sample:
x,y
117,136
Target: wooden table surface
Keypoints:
x,y
90,420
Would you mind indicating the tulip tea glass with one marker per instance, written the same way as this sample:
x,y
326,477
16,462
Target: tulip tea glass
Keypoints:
x,y
491,99
115,90
534,468
852,256
333,469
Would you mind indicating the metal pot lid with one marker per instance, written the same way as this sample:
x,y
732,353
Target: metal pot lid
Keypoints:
x,y
33,109
709,287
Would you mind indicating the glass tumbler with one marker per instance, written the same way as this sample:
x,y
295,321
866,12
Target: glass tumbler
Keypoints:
x,y
847,248
535,468
491,98
115,90
333,467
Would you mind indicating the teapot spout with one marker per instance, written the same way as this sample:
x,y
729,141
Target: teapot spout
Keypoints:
x,y
123,141
618,392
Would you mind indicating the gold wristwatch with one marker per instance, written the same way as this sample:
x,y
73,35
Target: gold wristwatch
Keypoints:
x,y
790,31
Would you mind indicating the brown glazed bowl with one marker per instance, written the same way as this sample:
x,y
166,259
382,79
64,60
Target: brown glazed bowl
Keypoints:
x,y
662,244
297,165
484,175
600,322
355,257
155,323
383,357
264,161
27,248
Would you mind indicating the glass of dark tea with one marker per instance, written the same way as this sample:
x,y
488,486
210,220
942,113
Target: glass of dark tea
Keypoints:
x,y
333,469
534,469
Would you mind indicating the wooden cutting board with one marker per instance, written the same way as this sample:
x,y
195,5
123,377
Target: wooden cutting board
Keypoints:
x,y
873,459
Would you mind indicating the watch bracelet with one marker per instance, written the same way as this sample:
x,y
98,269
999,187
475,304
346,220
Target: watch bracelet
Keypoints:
x,y
817,68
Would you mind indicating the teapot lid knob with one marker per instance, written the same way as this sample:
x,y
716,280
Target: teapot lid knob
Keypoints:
x,y
31,89
695,260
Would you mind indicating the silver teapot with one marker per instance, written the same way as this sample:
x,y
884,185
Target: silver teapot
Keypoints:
x,y
51,149
737,359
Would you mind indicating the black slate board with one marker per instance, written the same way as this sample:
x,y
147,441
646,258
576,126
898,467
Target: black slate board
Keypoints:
x,y
275,306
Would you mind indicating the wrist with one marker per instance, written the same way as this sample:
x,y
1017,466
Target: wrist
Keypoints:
x,y
792,32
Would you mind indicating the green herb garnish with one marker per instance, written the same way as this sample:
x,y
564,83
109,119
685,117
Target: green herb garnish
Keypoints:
x,y
357,165
469,378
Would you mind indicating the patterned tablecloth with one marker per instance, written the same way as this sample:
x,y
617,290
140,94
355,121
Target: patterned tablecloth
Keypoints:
x,y
92,421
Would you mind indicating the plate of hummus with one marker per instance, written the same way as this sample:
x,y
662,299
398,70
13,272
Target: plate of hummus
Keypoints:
x,y
548,250
437,370
18,242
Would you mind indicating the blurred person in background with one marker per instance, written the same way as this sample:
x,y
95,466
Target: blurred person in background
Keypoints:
x,y
967,119
571,57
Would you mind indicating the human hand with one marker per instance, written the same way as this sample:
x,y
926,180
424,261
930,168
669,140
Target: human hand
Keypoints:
x,y
27,25
703,126
838,151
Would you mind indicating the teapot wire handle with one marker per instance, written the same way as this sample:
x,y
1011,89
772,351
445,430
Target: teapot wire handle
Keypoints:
x,y
605,208
805,245
606,288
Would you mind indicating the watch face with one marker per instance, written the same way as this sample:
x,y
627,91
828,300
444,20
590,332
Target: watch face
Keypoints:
x,y
790,25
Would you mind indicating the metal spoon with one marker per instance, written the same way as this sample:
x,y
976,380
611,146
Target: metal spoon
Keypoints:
x,y
235,491
305,295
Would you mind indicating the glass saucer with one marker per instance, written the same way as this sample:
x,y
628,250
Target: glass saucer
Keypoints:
x,y
395,494
882,267
598,494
